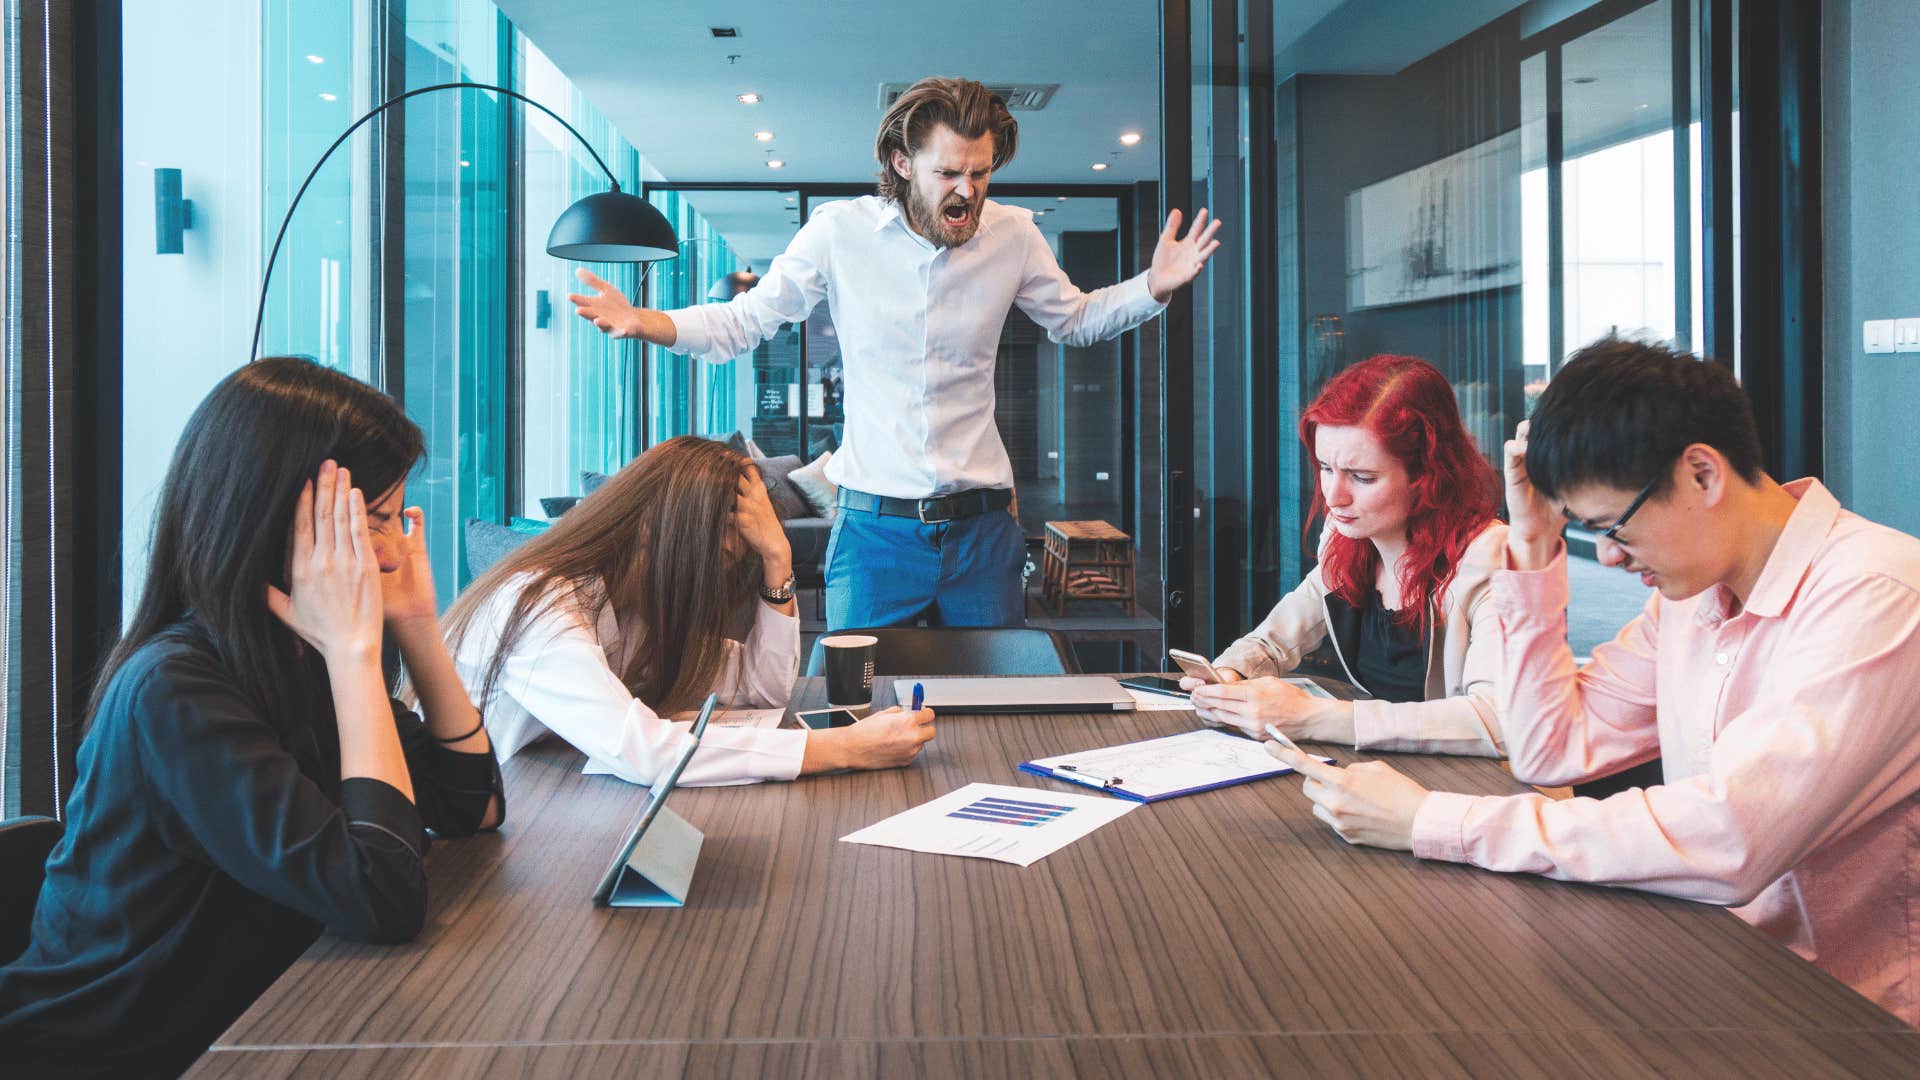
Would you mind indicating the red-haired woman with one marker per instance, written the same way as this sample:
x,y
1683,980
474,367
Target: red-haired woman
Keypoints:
x,y
1402,585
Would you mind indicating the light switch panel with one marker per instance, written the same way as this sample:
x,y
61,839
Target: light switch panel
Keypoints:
x,y
1878,335
1906,335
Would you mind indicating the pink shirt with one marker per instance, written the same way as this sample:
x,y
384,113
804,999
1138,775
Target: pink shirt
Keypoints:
x,y
1790,734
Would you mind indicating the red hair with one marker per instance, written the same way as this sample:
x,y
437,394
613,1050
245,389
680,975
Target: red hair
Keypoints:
x,y
1408,406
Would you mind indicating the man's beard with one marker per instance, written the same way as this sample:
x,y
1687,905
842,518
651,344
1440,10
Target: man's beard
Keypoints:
x,y
929,220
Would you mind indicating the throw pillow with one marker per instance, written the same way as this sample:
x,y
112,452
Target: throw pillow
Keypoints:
x,y
787,500
821,493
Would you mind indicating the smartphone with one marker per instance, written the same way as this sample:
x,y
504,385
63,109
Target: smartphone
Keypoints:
x,y
826,718
1156,684
1195,665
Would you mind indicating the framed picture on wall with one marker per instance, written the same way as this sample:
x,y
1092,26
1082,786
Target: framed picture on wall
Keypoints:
x,y
1446,228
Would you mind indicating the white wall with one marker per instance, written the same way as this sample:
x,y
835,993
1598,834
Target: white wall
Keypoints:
x,y
192,102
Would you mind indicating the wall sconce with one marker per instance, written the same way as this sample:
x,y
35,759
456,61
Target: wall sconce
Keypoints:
x,y
172,215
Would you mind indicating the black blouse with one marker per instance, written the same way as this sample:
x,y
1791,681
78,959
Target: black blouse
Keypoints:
x,y
1389,660
206,847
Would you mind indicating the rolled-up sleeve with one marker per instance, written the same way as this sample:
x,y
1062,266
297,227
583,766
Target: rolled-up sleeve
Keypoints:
x,y
1069,315
794,283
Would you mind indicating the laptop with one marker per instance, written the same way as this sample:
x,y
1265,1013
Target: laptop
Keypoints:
x,y
1020,694
622,885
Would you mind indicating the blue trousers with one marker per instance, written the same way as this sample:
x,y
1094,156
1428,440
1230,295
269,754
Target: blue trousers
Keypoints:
x,y
887,571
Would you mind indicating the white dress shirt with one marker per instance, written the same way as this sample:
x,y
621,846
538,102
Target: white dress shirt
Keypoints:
x,y
919,329
562,679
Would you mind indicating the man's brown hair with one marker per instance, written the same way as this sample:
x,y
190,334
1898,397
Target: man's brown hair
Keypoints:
x,y
967,107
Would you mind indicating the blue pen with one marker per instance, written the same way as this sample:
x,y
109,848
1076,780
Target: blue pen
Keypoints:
x,y
919,696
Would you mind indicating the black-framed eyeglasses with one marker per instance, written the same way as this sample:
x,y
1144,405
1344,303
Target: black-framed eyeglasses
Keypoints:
x,y
1611,532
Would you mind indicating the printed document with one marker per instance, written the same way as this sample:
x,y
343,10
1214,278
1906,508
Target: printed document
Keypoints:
x,y
988,821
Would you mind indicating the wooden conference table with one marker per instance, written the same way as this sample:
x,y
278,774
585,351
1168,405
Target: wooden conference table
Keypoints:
x,y
1228,933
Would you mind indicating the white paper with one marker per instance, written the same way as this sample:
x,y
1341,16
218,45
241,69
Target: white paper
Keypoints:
x,y
758,718
988,821
1148,701
1194,759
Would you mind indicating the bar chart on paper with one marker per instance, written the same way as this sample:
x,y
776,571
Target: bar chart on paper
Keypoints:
x,y
1011,812
988,821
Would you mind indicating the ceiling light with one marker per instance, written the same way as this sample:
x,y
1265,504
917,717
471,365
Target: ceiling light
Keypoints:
x,y
312,59
763,136
749,98
1062,198
465,164
1099,166
1129,138
328,97
776,163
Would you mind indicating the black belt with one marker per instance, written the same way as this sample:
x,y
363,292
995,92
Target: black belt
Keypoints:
x,y
954,507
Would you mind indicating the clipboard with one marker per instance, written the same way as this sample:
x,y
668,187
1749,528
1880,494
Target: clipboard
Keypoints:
x,y
1164,768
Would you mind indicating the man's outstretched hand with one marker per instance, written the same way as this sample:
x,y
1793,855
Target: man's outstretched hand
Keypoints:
x,y
1177,260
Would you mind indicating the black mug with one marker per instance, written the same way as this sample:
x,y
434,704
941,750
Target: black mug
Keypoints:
x,y
850,669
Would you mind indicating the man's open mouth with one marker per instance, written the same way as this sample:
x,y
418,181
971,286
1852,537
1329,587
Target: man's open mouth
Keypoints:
x,y
956,213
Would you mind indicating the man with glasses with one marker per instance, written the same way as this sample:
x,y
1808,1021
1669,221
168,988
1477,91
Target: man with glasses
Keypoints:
x,y
1776,671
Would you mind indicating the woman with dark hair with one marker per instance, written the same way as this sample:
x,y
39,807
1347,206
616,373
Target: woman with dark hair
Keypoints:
x,y
1401,590
245,780
671,581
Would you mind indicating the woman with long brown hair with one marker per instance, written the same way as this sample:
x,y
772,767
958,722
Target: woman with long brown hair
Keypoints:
x,y
671,581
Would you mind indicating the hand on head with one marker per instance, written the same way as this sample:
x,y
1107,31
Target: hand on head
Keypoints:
x,y
1533,527
755,522
333,600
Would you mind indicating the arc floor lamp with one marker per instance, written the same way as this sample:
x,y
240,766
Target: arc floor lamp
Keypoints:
x,y
611,226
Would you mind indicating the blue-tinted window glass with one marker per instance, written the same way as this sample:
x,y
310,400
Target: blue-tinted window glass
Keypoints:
x,y
457,271
580,388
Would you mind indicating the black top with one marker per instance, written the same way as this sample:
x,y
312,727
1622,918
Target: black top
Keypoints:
x,y
206,847
1389,660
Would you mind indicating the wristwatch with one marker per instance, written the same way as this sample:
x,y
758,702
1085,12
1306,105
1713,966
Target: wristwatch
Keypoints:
x,y
781,595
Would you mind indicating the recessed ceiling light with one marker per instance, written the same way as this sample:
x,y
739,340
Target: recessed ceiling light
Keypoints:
x,y
763,136
1099,166
1062,198
1129,138
312,59
328,97
749,98
465,164
776,163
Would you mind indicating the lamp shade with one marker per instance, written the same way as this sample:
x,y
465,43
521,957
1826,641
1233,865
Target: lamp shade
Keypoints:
x,y
612,226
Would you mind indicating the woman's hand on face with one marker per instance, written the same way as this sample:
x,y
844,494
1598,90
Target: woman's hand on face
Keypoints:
x,y
1533,529
890,739
406,595
756,523
334,573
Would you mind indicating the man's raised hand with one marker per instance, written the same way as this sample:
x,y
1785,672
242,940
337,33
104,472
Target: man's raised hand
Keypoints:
x,y
1178,260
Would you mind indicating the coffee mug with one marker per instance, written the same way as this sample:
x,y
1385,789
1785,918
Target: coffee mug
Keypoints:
x,y
850,669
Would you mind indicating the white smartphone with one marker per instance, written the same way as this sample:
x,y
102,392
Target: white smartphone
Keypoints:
x,y
1195,665
826,718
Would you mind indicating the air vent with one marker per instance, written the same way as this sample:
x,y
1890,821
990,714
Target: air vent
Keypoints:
x,y
723,31
1020,97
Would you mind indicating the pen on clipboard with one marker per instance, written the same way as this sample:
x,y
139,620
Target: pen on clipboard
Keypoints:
x,y
1087,776
919,697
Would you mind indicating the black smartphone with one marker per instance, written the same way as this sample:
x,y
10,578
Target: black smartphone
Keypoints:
x,y
825,718
1157,684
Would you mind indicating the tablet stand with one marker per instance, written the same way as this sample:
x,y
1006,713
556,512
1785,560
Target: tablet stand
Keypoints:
x,y
660,869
